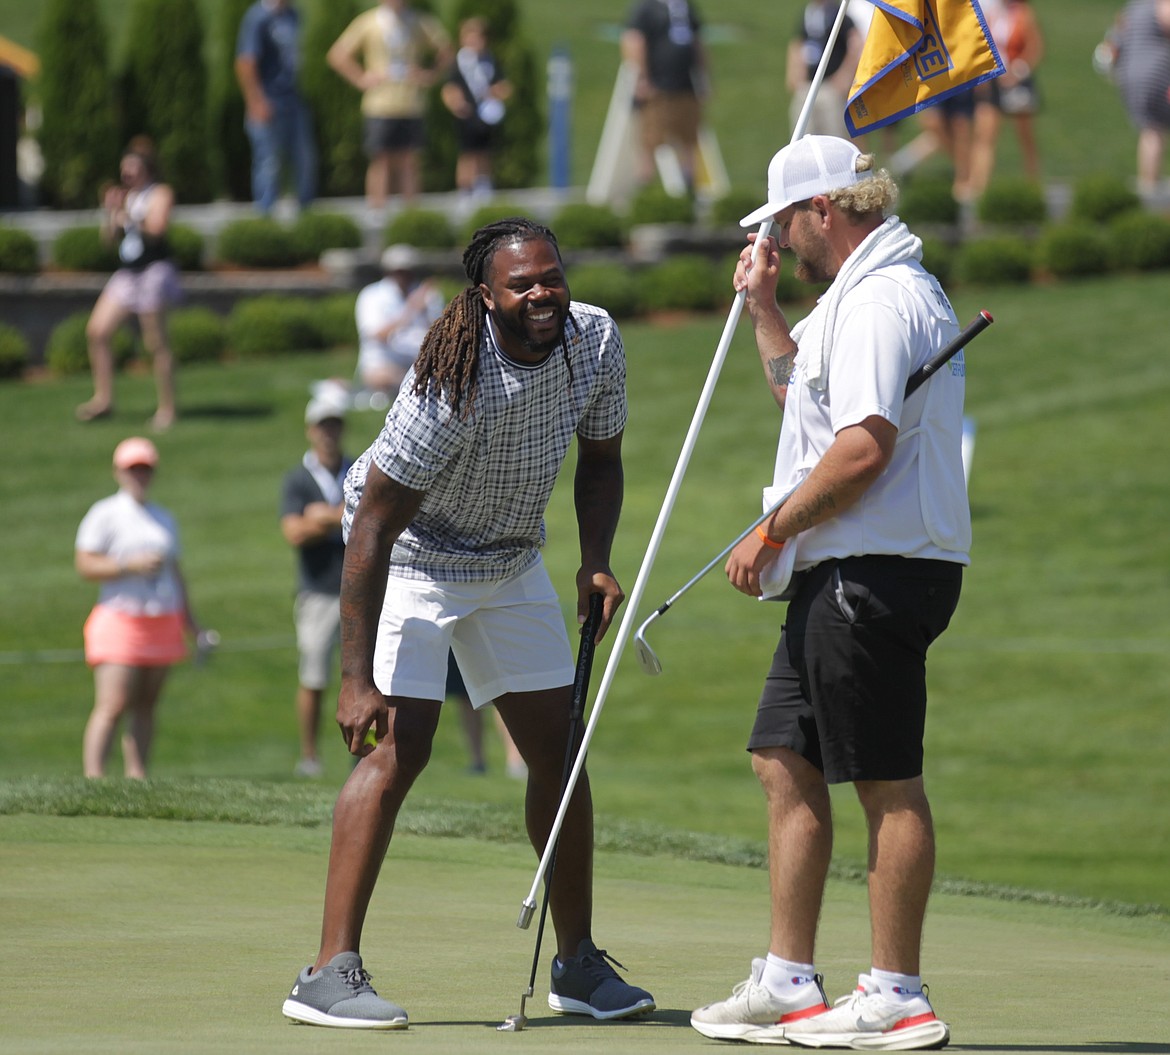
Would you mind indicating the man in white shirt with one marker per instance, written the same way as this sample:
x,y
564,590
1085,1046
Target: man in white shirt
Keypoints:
x,y
877,528
393,316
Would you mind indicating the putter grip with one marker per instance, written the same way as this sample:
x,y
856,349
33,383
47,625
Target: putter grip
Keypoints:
x,y
585,653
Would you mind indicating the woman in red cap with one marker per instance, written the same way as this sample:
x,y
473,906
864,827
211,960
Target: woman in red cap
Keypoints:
x,y
135,631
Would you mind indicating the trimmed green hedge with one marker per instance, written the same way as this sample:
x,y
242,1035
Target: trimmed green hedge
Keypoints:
x,y
315,231
1011,200
196,335
584,226
423,228
67,351
652,204
84,249
1073,250
994,261
1140,241
686,282
734,206
335,320
928,200
14,352
272,325
610,286
261,242
18,252
1098,199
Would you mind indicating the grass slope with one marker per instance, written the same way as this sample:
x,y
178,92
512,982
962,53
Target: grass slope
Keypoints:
x,y
1047,739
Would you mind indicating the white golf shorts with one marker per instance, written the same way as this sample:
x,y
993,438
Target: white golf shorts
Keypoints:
x,y
507,636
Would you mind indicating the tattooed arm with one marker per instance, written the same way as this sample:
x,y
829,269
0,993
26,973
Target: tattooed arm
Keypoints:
x,y
774,342
386,508
856,458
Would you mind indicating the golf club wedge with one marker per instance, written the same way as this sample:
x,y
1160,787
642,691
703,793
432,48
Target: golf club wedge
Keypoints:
x,y
647,658
515,1023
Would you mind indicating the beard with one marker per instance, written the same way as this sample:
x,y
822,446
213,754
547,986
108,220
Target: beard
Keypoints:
x,y
512,326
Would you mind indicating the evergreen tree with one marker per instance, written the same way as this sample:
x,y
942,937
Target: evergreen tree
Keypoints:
x,y
337,118
164,91
78,136
232,154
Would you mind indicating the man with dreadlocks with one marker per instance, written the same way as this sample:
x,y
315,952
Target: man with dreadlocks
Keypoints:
x,y
445,521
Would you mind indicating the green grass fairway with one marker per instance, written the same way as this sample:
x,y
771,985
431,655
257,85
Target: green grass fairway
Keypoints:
x,y
130,936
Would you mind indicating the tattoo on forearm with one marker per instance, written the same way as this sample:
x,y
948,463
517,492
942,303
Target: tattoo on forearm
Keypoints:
x,y
780,369
806,515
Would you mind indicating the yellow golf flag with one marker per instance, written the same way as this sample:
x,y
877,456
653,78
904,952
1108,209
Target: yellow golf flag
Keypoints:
x,y
918,52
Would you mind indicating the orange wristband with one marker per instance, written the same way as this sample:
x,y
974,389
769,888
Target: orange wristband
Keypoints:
x,y
769,542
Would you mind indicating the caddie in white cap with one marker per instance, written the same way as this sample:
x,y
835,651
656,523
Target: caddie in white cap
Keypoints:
x,y
875,534
810,166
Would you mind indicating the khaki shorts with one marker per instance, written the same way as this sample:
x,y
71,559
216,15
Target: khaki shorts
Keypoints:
x,y
507,636
318,621
670,117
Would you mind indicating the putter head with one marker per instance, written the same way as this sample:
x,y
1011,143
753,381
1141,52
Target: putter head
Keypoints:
x,y
515,1023
647,660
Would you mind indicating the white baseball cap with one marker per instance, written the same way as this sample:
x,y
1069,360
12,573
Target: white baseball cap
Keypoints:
x,y
326,405
810,166
400,257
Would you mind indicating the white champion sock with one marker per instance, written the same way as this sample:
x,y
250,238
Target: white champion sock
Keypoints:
x,y
900,988
782,976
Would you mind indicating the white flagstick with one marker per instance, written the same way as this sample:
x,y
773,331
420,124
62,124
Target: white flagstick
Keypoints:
x,y
632,601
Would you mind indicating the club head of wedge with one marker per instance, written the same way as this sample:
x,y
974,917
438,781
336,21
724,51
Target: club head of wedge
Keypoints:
x,y
647,660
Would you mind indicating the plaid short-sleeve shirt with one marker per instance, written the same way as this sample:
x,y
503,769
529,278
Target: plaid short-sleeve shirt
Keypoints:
x,y
488,478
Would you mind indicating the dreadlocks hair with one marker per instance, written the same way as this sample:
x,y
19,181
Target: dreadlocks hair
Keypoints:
x,y
449,356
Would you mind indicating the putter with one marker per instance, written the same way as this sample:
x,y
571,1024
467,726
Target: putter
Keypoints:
x,y
515,1023
647,659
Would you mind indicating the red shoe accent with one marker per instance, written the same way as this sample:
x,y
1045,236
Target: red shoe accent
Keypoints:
x,y
808,1012
914,1020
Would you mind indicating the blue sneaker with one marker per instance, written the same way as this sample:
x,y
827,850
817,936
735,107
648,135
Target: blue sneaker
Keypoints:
x,y
340,995
586,984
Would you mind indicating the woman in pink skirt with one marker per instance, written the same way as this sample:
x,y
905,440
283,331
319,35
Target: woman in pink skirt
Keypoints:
x,y
136,630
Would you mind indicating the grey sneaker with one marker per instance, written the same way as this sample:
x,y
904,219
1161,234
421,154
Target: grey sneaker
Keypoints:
x,y
754,1013
340,994
586,984
867,1021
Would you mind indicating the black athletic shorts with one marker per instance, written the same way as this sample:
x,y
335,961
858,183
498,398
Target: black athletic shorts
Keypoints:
x,y
847,688
388,135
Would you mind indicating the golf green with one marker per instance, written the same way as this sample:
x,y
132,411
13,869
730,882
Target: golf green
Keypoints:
x,y
160,936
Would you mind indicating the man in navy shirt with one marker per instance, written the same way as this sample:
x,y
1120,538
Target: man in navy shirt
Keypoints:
x,y
268,60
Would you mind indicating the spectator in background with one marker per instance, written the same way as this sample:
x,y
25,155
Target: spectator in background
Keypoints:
x,y
475,93
279,126
473,727
135,631
804,55
392,54
1141,68
310,520
393,316
1013,94
136,212
948,126
662,41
